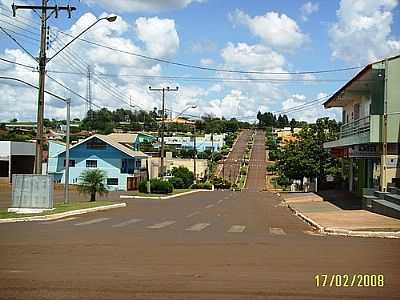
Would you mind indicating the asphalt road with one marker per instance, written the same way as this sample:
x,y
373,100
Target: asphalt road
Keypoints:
x,y
231,166
257,164
208,245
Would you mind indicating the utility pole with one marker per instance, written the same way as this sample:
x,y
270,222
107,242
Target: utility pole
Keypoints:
x,y
66,184
89,89
194,153
385,130
163,90
212,154
42,60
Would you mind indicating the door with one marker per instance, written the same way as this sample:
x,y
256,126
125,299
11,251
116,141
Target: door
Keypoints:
x,y
132,183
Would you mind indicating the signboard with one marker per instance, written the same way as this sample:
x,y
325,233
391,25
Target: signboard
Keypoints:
x,y
363,151
32,191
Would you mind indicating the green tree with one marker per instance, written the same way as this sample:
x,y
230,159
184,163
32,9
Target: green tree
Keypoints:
x,y
92,182
306,156
183,173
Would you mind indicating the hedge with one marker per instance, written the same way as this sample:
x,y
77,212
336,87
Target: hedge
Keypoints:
x,y
157,186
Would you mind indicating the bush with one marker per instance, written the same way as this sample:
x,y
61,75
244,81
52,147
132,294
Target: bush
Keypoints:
x,y
243,171
220,183
143,187
177,182
202,185
186,176
157,186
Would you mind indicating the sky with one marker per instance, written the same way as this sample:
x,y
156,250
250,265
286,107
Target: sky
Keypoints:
x,y
257,36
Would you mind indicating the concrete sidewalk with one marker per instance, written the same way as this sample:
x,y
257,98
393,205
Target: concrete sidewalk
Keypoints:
x,y
330,218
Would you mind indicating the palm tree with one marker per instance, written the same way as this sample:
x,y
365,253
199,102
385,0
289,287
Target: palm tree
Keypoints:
x,y
92,182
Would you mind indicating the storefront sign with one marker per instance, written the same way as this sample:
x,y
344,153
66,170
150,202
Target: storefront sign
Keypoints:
x,y
363,151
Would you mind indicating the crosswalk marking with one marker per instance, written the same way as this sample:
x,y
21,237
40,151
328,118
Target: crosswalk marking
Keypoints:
x,y
220,201
192,214
60,220
161,225
276,231
209,206
91,221
131,221
197,227
237,228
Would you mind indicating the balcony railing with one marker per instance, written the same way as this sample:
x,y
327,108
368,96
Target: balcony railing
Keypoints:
x,y
357,127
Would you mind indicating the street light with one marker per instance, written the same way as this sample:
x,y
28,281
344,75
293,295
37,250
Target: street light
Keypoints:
x,y
43,61
193,106
109,19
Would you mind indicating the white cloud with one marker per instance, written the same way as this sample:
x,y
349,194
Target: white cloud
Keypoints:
x,y
159,35
203,46
308,9
206,62
111,92
276,30
125,6
312,112
363,31
252,57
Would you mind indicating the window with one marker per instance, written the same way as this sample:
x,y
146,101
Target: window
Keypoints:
x,y
71,162
91,163
112,181
96,144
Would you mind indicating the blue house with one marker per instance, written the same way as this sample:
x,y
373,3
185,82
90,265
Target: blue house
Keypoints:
x,y
124,166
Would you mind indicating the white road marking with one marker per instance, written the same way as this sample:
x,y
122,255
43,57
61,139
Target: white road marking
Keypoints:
x,y
192,214
197,227
209,206
161,225
276,231
91,221
237,228
220,201
131,221
60,220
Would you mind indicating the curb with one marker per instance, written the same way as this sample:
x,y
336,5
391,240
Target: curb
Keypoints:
x,y
64,214
343,232
163,197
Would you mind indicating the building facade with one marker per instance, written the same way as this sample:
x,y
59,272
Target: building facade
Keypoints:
x,y
16,158
207,142
368,144
124,167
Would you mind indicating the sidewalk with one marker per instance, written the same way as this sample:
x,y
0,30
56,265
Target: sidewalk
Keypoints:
x,y
339,213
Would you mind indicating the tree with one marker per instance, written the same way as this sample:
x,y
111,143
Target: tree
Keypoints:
x,y
306,156
183,173
92,182
293,124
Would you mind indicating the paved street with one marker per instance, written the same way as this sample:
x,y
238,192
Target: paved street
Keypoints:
x,y
257,165
231,166
208,245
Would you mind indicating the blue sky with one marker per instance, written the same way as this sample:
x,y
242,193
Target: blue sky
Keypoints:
x,y
264,36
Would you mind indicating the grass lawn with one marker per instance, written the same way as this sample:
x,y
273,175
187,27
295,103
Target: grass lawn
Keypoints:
x,y
175,192
59,208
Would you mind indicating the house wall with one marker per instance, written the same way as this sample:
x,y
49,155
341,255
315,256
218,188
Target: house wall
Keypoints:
x,y
108,160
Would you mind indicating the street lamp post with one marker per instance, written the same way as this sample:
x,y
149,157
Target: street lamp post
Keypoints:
x,y
43,61
66,184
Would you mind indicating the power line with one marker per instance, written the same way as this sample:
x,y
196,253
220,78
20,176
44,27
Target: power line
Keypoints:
x,y
207,68
71,91
17,63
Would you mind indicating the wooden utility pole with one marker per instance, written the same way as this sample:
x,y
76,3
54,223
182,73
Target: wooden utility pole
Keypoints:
x,y
163,90
42,60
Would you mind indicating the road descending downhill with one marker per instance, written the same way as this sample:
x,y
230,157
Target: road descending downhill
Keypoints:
x,y
257,164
